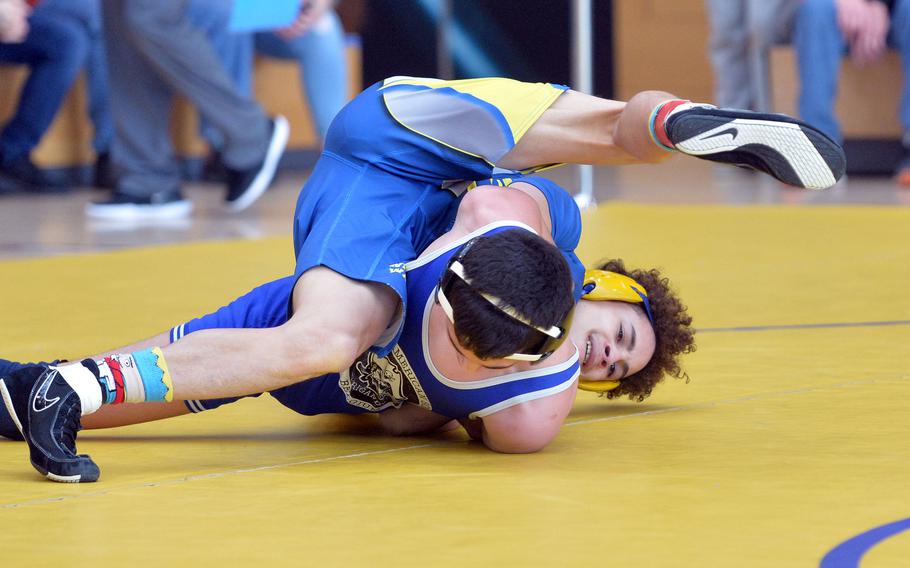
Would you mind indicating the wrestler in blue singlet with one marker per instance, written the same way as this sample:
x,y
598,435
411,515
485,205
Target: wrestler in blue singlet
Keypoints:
x,y
406,374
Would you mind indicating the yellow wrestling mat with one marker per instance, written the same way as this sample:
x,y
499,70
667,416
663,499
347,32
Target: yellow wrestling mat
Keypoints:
x,y
790,443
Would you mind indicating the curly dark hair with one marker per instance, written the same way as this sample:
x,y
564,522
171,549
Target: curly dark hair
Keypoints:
x,y
672,326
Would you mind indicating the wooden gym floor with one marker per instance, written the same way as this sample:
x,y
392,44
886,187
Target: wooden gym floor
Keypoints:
x,y
789,442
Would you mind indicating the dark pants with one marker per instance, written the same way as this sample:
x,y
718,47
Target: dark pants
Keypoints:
x,y
153,52
55,49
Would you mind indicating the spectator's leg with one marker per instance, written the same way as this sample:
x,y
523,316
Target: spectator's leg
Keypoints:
x,y
55,50
728,50
87,14
767,21
234,50
96,75
184,58
819,50
323,66
899,38
140,106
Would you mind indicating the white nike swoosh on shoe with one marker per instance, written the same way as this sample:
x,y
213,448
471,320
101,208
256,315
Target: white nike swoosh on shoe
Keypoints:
x,y
40,398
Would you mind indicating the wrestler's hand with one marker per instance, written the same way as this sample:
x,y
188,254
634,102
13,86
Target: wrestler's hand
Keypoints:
x,y
14,21
448,426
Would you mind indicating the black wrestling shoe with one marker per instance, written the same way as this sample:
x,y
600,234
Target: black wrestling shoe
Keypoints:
x,y
781,146
8,427
47,412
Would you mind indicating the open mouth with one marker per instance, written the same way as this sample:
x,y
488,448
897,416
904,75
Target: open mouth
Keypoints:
x,y
588,349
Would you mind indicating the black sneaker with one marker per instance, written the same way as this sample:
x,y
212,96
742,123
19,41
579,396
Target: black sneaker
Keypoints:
x,y
213,169
23,176
781,146
122,207
246,186
11,184
47,412
103,175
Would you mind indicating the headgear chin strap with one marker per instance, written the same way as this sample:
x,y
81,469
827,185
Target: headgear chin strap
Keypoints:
x,y
601,285
597,386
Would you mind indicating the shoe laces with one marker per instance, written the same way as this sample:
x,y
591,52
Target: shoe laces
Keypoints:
x,y
68,424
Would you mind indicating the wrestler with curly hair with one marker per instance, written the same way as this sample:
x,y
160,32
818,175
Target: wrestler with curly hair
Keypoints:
x,y
672,327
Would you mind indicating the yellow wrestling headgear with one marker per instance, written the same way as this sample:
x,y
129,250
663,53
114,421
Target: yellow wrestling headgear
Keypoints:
x,y
601,285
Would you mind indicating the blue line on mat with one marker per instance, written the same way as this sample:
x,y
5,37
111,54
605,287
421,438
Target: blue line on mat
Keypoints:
x,y
848,553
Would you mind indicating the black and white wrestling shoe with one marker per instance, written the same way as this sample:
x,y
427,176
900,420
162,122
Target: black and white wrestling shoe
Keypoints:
x,y
47,411
9,429
781,146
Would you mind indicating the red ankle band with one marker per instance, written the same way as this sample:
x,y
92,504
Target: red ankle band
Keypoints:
x,y
663,111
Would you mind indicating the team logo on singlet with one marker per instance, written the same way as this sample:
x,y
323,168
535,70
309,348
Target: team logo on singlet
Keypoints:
x,y
376,383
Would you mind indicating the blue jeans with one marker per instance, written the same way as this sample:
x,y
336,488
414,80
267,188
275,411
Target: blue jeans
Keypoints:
x,y
320,54
55,50
820,46
87,13
323,66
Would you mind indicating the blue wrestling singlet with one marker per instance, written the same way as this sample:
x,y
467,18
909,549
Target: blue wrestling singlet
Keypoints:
x,y
407,374
396,159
